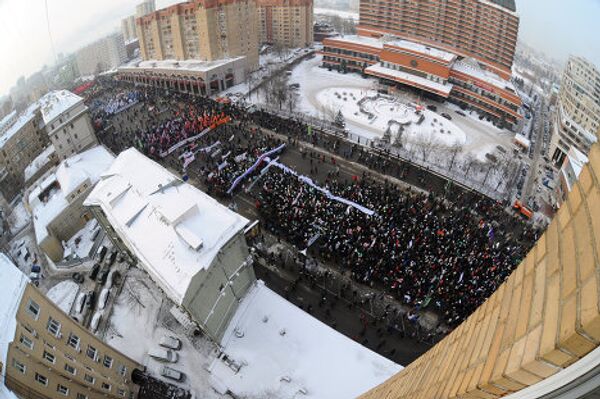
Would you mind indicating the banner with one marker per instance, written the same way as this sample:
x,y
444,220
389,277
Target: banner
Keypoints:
x,y
194,138
251,168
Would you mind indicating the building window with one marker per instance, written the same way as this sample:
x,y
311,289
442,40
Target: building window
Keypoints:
x,y
122,370
107,361
81,396
49,357
106,386
53,327
33,309
19,366
89,379
26,341
63,390
91,352
70,369
121,392
41,379
73,341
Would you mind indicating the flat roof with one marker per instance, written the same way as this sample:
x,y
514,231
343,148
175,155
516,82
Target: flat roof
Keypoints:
x,y
510,5
56,102
174,229
12,285
282,350
183,65
471,67
8,118
421,48
408,78
21,121
360,40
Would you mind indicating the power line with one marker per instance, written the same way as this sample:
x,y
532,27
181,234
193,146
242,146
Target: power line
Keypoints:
x,y
49,33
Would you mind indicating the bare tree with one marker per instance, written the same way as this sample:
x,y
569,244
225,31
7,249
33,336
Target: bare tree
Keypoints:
x,y
292,99
425,145
470,160
455,149
250,80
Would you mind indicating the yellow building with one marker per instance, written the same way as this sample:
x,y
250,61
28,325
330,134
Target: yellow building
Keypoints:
x,y
205,30
47,355
286,23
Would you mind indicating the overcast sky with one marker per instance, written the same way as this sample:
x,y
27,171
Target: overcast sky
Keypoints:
x,y
557,27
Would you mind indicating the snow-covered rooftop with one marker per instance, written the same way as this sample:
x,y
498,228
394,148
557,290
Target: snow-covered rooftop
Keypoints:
x,y
420,48
12,285
68,176
8,119
185,65
21,121
282,350
472,68
174,229
408,78
56,102
38,162
360,40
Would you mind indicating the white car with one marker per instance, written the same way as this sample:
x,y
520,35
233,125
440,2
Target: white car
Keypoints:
x,y
173,374
103,298
168,341
164,355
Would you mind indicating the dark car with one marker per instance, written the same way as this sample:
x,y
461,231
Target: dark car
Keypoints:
x,y
102,276
461,113
90,299
77,277
94,271
445,115
111,259
101,253
432,108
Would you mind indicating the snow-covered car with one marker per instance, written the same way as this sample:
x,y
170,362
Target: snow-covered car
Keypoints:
x,y
164,355
95,321
170,342
173,374
80,302
103,298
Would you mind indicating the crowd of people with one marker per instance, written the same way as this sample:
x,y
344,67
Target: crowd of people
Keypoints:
x,y
422,248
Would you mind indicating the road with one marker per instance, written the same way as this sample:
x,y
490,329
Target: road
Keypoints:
x,y
532,176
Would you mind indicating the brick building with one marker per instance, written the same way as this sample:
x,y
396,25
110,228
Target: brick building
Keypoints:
x,y
286,23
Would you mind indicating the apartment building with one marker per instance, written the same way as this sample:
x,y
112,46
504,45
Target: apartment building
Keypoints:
x,y
20,144
128,29
47,355
102,55
285,23
577,117
145,8
67,123
205,30
193,247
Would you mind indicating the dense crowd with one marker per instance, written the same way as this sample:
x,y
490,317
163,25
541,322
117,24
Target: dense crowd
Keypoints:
x,y
424,249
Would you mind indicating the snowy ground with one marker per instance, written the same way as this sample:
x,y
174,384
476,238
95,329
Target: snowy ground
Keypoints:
x,y
39,162
283,353
63,294
344,14
18,218
140,318
24,250
80,245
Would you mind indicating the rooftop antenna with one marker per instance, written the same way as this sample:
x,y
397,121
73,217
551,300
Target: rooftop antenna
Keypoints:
x,y
49,33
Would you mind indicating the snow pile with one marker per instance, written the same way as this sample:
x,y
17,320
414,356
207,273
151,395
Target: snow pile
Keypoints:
x,y
12,286
18,218
63,295
39,162
281,351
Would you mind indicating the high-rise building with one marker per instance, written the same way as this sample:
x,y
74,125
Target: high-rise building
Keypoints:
x,y
577,115
45,354
102,55
145,8
286,23
206,30
128,29
461,50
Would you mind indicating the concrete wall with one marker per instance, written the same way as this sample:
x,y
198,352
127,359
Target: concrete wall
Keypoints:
x,y
75,135
545,317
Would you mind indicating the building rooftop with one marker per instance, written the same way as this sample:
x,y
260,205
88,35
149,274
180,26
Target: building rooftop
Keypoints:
x,y
409,78
38,162
510,5
12,285
21,121
471,67
283,350
360,40
8,119
183,65
56,187
54,103
421,48
174,229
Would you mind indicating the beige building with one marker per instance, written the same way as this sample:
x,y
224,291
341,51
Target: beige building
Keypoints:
x,y
145,8
67,123
286,23
128,29
193,247
55,200
20,144
205,30
577,115
47,355
102,55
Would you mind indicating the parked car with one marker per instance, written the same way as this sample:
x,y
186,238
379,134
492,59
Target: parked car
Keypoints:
x,y
80,302
461,113
102,276
445,115
164,355
94,272
77,277
170,342
36,273
95,321
173,374
101,253
432,108
90,299
103,298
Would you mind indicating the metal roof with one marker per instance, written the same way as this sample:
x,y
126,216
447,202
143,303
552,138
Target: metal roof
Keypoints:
x,y
508,4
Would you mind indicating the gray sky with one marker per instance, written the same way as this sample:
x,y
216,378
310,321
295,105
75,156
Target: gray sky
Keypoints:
x,y
557,27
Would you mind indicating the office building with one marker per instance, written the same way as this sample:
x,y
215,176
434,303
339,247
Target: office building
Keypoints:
x,y
67,123
44,354
145,8
102,55
577,116
193,247
286,23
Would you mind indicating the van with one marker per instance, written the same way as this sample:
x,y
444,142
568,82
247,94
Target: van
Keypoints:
x,y
164,355
173,374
